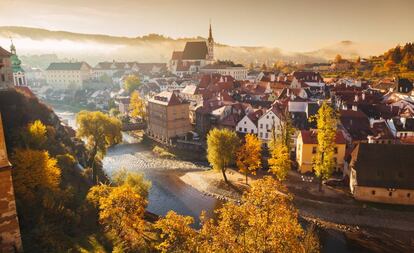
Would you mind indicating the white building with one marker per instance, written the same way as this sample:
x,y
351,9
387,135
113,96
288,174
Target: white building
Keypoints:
x,y
248,124
271,118
110,68
68,75
238,72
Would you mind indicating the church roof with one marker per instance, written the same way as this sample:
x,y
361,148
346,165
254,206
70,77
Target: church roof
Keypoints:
x,y
195,50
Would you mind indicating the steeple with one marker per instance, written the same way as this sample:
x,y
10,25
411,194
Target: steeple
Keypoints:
x,y
210,44
12,47
210,34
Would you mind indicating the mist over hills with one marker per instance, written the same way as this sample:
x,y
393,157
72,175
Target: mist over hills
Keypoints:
x,y
157,48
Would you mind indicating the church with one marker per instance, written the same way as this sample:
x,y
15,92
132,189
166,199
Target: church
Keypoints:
x,y
196,55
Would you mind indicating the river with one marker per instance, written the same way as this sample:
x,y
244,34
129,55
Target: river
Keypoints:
x,y
168,192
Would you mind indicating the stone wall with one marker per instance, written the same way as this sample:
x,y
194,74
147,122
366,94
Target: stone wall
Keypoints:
x,y
10,240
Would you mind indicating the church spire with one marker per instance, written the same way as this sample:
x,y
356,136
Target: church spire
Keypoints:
x,y
12,47
210,33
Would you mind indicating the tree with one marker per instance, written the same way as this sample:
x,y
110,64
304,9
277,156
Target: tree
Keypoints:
x,y
121,213
221,149
323,163
137,106
249,155
176,233
100,131
131,83
265,221
279,162
135,180
36,135
34,172
338,58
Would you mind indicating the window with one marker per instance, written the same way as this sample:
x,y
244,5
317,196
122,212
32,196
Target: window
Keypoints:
x,y
251,131
267,117
408,195
273,117
266,135
390,194
335,160
261,125
261,135
373,192
245,122
245,130
336,150
3,78
267,126
240,129
313,150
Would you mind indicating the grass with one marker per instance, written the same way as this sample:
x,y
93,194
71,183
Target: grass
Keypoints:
x,y
163,153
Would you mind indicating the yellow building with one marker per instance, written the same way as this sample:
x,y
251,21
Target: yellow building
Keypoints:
x,y
306,148
168,116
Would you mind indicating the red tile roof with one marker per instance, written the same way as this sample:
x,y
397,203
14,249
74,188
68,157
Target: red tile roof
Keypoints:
x,y
311,137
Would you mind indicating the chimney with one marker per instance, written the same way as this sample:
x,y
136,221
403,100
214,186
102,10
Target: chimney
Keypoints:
x,y
354,108
371,122
356,98
272,77
370,139
363,96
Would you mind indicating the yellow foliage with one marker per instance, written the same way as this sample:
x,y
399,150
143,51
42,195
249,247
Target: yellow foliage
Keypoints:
x,y
36,134
249,155
34,171
137,106
279,161
221,149
131,83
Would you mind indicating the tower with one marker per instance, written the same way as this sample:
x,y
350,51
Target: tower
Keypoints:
x,y
210,44
19,76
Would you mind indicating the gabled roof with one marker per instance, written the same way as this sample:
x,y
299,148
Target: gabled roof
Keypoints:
x,y
195,50
384,165
167,98
177,55
66,65
311,137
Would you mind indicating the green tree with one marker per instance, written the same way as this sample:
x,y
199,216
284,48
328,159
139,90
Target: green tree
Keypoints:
x,y
222,145
135,180
249,155
100,131
137,106
131,83
323,163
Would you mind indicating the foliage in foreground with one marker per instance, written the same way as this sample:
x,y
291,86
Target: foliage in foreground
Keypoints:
x,y
265,221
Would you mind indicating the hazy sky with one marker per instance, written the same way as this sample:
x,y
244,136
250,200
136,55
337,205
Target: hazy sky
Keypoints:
x,y
294,25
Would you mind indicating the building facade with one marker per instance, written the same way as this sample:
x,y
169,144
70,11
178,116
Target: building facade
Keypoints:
x,y
383,173
19,77
307,148
10,239
6,71
168,116
68,75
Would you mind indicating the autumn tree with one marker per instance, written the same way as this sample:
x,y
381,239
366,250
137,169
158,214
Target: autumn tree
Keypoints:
x,y
131,83
265,221
36,135
137,106
338,58
323,163
249,155
121,213
135,180
100,132
222,146
34,173
176,234
279,161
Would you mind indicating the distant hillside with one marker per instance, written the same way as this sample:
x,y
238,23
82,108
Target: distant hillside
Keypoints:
x,y
157,48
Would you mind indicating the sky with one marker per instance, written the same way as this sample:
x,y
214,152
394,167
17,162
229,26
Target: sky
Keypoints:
x,y
292,25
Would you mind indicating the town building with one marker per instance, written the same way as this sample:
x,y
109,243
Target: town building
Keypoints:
x,y
168,116
248,124
19,77
10,239
307,146
226,68
270,121
68,75
383,173
6,71
196,54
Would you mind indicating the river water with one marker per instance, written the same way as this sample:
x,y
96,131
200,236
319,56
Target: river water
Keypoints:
x,y
168,192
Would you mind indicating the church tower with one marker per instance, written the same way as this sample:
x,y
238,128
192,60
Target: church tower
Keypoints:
x,y
210,45
19,76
